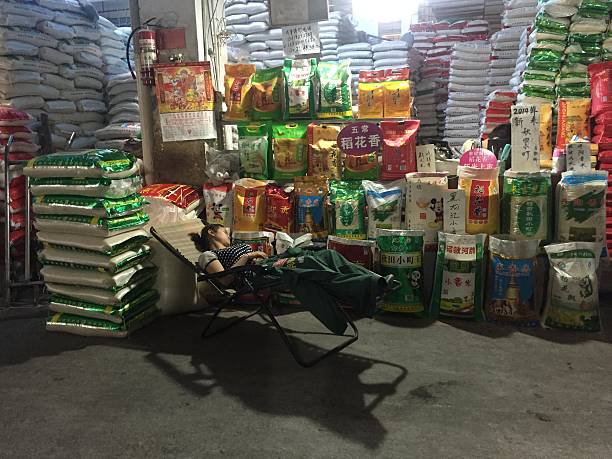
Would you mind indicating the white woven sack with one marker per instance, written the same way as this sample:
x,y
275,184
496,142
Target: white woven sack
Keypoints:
x,y
15,20
355,47
34,12
54,56
60,106
56,30
17,48
89,59
56,81
91,105
24,103
390,46
397,62
127,96
20,76
354,54
393,54
28,89
260,17
249,8
125,117
89,129
237,19
271,63
87,83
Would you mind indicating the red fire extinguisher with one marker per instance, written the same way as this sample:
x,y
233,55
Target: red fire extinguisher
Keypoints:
x,y
147,52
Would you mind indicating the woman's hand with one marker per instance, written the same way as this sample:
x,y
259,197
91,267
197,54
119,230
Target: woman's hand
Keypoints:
x,y
256,255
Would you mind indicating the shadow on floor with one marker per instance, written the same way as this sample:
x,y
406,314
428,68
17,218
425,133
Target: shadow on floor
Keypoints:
x,y
251,364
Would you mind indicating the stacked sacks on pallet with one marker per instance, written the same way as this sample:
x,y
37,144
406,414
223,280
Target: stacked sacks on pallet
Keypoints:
x,y
391,54
50,52
119,86
89,218
360,57
17,124
469,62
328,36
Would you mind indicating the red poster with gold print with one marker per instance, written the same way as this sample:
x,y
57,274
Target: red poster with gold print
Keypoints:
x,y
185,100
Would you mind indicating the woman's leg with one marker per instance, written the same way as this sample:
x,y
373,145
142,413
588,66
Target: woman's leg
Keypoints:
x,y
343,280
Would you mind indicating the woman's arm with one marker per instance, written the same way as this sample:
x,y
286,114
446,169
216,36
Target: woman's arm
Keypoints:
x,y
216,266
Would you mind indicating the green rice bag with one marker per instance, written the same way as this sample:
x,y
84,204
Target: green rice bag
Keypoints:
x,y
266,94
537,91
573,90
582,58
110,246
573,291
92,207
90,261
540,75
385,203
593,9
138,301
348,209
289,151
458,282
90,226
401,254
334,90
254,150
545,22
112,282
300,88
87,326
92,187
582,38
553,45
526,205
108,163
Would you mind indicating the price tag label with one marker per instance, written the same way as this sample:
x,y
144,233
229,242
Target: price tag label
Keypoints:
x,y
301,39
454,211
525,134
426,158
578,156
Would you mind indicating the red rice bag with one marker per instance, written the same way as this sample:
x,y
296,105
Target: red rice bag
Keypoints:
x,y
399,148
601,87
183,196
12,117
360,252
18,132
279,209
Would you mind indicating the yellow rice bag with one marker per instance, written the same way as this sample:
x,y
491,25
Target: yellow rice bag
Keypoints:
x,y
371,93
482,199
249,205
323,151
238,90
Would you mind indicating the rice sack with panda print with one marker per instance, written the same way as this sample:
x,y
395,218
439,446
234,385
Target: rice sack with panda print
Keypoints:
x,y
424,209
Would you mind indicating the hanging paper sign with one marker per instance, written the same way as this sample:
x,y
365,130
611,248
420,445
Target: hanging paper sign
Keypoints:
x,y
454,211
578,156
426,158
360,138
479,157
185,100
525,132
302,39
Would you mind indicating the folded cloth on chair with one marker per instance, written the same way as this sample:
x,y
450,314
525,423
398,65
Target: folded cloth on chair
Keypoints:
x,y
319,279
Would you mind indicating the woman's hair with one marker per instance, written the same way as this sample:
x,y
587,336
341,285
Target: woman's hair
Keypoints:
x,y
202,240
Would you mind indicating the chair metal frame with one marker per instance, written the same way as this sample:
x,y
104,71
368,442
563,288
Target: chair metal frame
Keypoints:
x,y
231,299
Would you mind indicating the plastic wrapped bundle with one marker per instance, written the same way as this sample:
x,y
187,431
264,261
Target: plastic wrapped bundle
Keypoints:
x,y
95,260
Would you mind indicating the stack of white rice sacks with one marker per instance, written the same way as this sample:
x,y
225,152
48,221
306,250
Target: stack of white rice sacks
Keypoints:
x,y
328,36
17,124
90,218
51,62
466,91
360,56
120,90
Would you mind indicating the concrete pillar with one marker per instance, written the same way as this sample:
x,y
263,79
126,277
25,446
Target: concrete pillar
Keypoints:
x,y
178,162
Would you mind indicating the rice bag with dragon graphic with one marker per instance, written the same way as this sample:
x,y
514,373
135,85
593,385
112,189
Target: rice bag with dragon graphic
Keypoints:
x,y
458,281
348,207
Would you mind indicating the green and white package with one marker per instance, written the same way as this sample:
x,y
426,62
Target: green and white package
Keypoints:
x,y
87,326
289,151
254,150
92,187
385,202
573,291
109,246
581,206
348,209
458,282
104,296
118,314
335,100
526,208
300,88
92,261
424,207
96,279
401,254
91,226
107,163
87,206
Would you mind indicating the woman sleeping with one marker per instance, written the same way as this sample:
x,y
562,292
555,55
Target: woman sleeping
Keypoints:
x,y
318,279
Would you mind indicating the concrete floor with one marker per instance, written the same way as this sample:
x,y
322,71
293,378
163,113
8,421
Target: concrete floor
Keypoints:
x,y
406,389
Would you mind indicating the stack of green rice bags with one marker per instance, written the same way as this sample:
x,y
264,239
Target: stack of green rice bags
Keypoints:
x,y
89,219
567,36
